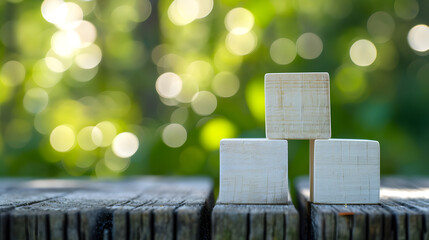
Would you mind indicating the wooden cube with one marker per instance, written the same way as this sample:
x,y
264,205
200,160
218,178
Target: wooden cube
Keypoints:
x,y
253,171
297,106
344,171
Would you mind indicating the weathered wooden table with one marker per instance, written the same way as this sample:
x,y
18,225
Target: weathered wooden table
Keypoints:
x,y
403,213
183,208
134,208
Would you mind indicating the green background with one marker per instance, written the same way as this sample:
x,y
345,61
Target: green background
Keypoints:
x,y
385,101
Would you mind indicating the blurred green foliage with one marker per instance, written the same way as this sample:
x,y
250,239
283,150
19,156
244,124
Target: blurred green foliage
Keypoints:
x,y
150,87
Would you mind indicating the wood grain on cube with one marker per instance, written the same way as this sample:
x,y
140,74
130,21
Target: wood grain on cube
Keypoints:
x,y
297,106
253,171
344,171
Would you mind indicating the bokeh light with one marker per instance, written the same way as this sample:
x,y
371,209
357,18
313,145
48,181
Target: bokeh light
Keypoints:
x,y
44,76
180,115
53,10
239,21
381,26
125,145
124,18
200,72
115,163
169,62
363,53
87,33
205,7
255,98
204,103
83,75
64,15
62,138
102,171
108,133
55,65
309,46
406,9
283,51
168,85
174,135
182,12
215,130
96,136
225,84
73,15
351,82
35,100
89,57
418,38
65,42
12,73
241,44
144,9
189,88
86,137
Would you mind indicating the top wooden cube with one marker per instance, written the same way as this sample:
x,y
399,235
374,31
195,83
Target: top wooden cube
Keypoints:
x,y
297,106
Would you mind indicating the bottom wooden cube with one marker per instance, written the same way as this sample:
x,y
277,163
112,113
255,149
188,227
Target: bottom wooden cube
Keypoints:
x,y
253,171
344,171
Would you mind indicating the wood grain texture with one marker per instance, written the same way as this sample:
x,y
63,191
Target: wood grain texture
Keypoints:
x,y
133,208
344,171
297,106
255,222
253,171
401,214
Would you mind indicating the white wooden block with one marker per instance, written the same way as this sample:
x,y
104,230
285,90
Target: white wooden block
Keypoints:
x,y
297,106
253,171
344,171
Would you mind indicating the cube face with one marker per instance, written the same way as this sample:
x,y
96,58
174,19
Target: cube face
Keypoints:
x,y
297,106
253,171
344,171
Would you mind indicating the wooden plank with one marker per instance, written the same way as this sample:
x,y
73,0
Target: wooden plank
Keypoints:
x,y
72,229
42,226
192,221
398,216
165,208
297,106
255,222
57,225
292,223
4,226
230,222
275,223
32,227
121,222
163,212
377,221
18,223
253,171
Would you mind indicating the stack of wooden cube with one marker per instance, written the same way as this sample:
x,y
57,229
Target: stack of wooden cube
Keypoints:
x,y
297,106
